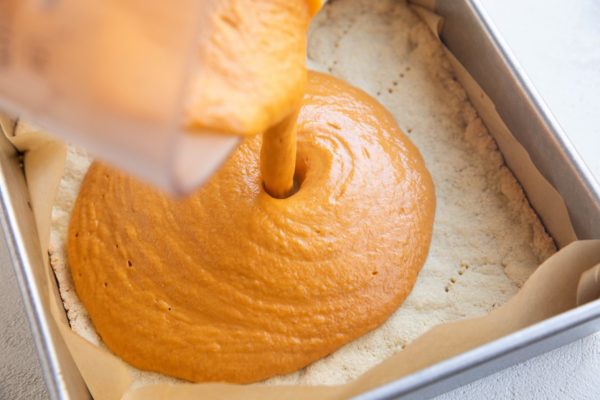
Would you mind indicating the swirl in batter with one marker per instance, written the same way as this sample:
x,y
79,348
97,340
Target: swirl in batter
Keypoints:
x,y
232,284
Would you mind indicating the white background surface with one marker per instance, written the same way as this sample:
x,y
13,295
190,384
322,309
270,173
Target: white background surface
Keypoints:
x,y
560,51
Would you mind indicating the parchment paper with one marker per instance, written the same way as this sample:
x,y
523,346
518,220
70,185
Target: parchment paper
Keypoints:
x,y
552,289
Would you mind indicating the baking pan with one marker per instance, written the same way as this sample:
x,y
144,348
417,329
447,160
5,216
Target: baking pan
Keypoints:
x,y
21,240
469,34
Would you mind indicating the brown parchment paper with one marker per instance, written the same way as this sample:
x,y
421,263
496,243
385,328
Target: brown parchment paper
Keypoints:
x,y
544,198
552,289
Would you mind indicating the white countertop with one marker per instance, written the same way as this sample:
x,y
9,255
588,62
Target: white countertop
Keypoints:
x,y
560,51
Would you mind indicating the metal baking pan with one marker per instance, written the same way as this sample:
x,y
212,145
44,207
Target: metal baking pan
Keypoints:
x,y
469,34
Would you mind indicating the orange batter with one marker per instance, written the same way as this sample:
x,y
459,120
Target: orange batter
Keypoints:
x,y
251,75
251,70
232,284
